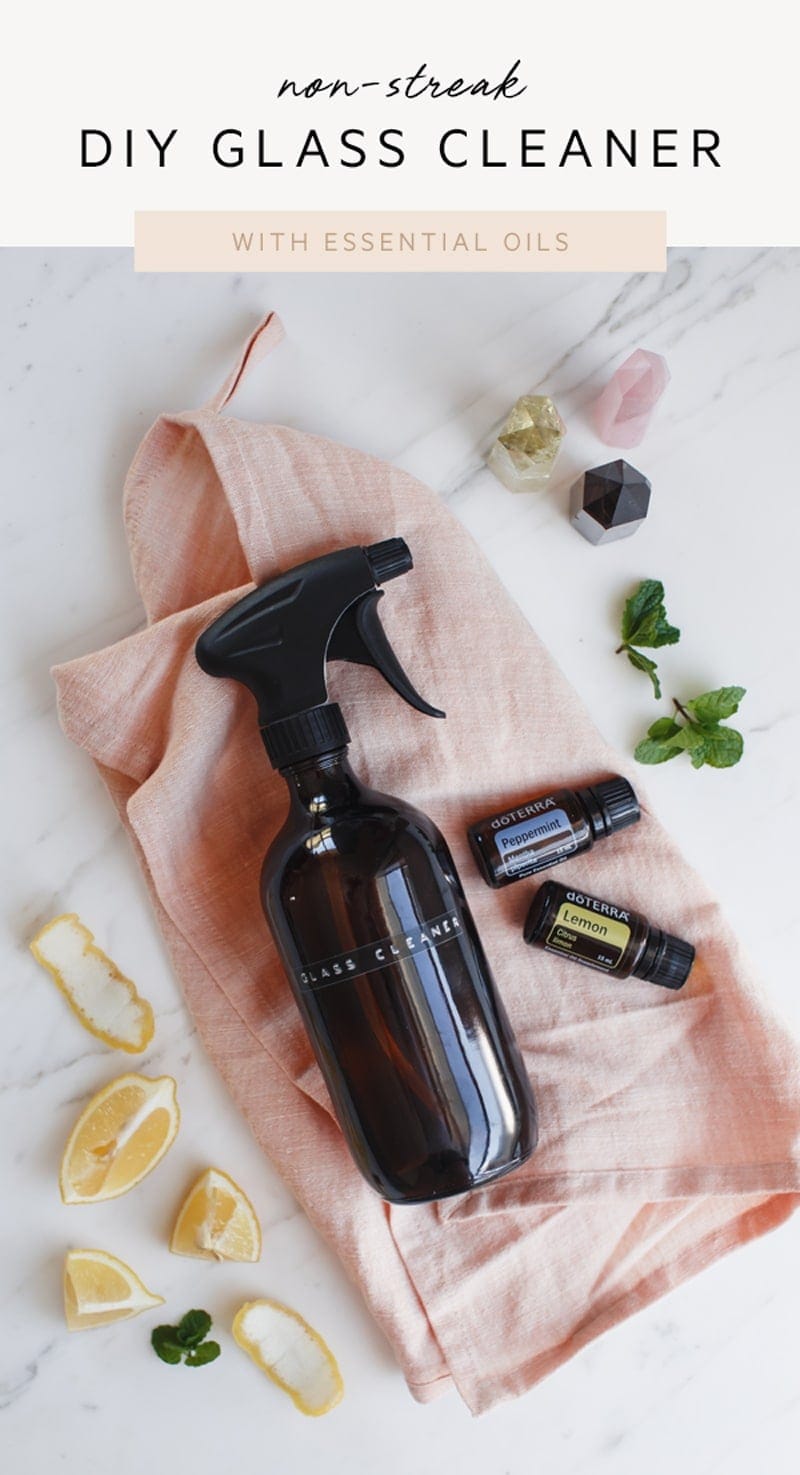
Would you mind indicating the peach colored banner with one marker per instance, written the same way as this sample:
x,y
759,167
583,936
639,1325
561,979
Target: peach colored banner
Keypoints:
x,y
401,240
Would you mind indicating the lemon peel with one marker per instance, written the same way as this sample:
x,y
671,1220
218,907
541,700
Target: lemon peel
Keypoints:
x,y
217,1221
99,1289
104,1000
291,1353
119,1137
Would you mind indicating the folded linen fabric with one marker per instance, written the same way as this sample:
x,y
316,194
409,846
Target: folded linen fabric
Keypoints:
x,y
669,1122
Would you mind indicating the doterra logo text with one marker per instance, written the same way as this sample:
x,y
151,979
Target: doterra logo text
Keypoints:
x,y
511,815
604,907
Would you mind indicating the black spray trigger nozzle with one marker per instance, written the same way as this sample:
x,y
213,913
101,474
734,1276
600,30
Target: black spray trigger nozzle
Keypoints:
x,y
360,638
278,639
389,559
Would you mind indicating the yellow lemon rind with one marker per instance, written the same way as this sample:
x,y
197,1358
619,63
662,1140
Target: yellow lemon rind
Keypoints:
x,y
147,1018
253,1351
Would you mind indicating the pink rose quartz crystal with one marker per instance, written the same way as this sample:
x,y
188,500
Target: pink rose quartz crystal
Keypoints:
x,y
626,406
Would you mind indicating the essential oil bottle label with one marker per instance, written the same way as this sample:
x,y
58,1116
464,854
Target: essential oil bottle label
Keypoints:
x,y
380,954
535,843
598,941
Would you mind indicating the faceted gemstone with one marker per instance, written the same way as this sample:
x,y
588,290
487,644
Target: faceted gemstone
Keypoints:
x,y
524,453
609,502
625,408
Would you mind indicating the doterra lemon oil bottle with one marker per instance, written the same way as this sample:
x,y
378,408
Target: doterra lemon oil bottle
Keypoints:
x,y
611,938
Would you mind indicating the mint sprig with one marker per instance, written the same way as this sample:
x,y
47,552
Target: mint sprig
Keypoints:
x,y
193,1327
186,1341
645,623
703,733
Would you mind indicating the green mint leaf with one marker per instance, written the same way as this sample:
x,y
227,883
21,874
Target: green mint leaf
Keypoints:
x,y
209,1352
694,741
723,747
193,1327
641,605
694,744
657,631
654,750
643,663
663,727
714,706
691,737
644,618
165,1343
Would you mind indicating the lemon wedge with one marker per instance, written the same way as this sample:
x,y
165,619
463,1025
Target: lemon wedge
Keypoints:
x,y
291,1354
119,1138
217,1221
99,1288
105,1001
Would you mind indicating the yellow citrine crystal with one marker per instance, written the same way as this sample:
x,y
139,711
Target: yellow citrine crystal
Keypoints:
x,y
524,454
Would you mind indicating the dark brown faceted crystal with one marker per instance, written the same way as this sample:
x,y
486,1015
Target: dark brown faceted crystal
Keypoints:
x,y
609,502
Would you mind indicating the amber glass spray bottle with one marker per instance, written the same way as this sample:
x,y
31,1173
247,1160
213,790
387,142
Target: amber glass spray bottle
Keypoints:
x,y
365,905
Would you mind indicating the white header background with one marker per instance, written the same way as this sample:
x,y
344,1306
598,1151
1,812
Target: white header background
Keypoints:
x,y
620,64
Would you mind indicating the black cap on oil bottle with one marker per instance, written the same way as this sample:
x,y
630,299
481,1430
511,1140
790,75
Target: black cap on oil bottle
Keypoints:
x,y
666,960
610,805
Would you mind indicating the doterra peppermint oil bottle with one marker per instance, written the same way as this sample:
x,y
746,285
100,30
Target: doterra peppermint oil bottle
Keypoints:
x,y
550,828
611,938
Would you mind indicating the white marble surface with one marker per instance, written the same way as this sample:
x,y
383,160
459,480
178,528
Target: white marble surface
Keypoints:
x,y
418,371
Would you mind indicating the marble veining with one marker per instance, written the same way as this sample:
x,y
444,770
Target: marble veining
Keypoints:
x,y
422,371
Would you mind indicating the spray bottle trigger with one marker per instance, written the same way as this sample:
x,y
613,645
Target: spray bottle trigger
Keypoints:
x,y
359,637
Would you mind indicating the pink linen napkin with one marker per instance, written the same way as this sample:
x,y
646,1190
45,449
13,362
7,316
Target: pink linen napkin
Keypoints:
x,y
669,1122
